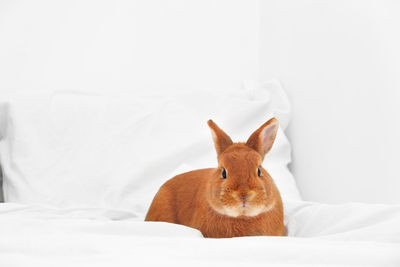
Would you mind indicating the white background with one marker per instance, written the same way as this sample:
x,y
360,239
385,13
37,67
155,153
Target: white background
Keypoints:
x,y
340,63
338,60
128,45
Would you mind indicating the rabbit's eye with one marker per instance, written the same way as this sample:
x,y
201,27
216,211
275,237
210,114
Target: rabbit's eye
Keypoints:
x,y
223,173
259,172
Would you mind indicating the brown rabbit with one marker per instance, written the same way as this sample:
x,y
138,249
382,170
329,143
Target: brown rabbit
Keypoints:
x,y
239,198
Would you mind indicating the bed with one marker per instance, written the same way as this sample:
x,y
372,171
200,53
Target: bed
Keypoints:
x,y
318,235
77,189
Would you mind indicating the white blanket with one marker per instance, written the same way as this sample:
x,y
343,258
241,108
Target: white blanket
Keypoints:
x,y
318,235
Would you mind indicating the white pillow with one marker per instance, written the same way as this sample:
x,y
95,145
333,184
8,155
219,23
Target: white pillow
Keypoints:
x,y
106,151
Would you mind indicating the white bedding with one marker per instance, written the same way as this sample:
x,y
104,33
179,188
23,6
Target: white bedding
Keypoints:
x,y
319,235
70,149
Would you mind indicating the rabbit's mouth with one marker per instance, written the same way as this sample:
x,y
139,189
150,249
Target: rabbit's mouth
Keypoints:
x,y
244,209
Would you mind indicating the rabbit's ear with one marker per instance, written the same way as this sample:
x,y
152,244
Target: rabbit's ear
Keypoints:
x,y
263,138
221,140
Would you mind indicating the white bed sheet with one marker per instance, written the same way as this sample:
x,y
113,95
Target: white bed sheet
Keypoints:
x,y
319,235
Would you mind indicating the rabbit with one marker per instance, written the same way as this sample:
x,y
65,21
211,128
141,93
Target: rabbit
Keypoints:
x,y
239,198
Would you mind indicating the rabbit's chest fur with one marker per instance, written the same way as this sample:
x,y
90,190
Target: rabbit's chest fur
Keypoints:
x,y
216,225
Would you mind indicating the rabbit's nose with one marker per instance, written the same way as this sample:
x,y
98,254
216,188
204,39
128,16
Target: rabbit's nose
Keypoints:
x,y
243,197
